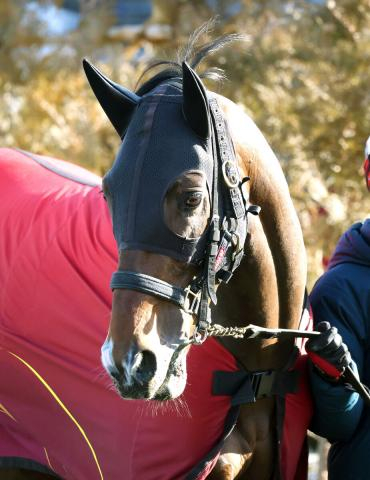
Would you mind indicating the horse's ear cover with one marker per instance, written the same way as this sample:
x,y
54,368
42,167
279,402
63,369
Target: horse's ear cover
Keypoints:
x,y
195,103
117,102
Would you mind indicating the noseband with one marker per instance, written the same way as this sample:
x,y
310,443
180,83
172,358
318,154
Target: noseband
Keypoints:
x,y
225,242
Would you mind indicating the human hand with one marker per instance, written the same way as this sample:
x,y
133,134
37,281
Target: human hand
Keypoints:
x,y
328,352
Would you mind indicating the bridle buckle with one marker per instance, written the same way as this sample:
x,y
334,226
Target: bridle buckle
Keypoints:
x,y
191,300
200,335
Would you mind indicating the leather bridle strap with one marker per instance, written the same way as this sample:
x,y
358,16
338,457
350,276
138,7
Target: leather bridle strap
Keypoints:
x,y
196,297
186,298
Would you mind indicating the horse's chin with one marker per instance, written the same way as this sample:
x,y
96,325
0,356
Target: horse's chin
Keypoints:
x,y
172,388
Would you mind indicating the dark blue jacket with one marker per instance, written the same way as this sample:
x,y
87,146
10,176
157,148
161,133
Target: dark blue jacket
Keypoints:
x,y
342,297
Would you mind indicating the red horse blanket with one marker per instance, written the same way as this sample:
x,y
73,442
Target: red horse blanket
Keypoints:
x,y
57,408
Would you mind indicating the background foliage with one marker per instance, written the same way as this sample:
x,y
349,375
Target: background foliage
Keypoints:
x,y
303,76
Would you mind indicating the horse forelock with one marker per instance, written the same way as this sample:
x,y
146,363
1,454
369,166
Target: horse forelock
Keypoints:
x,y
194,53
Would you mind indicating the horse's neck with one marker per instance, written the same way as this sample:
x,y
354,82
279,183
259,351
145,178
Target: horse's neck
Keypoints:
x,y
268,289
251,297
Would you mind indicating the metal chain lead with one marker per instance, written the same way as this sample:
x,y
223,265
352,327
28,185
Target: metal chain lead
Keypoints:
x,y
216,330
254,331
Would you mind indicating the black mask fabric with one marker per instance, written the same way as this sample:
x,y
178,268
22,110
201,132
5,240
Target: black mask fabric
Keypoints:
x,y
158,147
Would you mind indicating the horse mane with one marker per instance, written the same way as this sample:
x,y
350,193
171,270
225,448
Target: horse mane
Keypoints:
x,y
193,54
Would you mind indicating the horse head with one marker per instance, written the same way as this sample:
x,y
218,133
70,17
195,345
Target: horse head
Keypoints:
x,y
178,194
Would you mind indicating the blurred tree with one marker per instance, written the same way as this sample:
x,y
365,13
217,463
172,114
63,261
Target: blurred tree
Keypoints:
x,y
303,77
307,88
46,103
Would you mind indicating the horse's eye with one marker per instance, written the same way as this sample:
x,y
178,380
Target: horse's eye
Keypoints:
x,y
193,199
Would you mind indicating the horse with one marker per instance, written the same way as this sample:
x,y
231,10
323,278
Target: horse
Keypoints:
x,y
207,241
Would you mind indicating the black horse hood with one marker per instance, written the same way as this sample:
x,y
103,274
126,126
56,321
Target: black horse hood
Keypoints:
x,y
166,133
158,147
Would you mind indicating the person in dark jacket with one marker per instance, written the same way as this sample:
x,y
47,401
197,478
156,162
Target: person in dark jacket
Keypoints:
x,y
340,303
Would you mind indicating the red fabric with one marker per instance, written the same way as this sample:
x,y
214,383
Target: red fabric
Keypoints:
x,y
56,405
298,413
367,172
324,365
56,257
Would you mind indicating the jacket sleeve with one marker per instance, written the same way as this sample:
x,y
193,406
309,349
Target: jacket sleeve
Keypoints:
x,y
337,408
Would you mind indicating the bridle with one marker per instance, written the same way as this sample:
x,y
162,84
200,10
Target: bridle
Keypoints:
x,y
223,254
221,248
224,247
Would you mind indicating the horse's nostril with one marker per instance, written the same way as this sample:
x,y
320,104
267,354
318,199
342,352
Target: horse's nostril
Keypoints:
x,y
147,366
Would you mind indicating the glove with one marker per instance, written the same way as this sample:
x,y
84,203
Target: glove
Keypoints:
x,y
328,352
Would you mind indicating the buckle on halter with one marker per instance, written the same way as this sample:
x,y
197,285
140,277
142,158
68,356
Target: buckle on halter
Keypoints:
x,y
230,174
191,300
200,335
